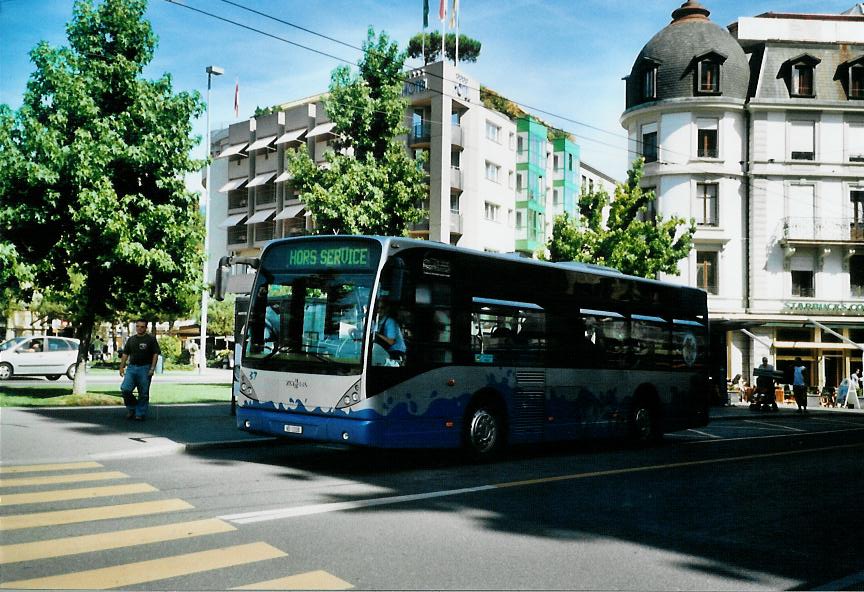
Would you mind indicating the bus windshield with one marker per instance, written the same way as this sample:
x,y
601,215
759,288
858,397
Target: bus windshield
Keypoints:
x,y
308,310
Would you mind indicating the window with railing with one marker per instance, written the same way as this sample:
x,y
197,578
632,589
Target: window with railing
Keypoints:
x,y
238,198
706,204
802,283
706,138
265,231
265,194
238,235
706,271
802,140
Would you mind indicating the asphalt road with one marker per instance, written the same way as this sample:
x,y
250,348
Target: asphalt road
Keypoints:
x,y
768,502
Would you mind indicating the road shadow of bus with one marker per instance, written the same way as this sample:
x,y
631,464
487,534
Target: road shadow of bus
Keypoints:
x,y
722,519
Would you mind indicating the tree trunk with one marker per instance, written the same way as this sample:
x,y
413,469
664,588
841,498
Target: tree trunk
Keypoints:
x,y
85,336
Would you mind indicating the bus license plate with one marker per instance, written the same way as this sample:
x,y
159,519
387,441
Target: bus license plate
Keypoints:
x,y
292,429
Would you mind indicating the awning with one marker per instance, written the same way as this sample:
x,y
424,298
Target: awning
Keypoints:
x,y
232,150
290,212
292,136
261,216
321,129
233,184
261,143
286,176
232,220
261,179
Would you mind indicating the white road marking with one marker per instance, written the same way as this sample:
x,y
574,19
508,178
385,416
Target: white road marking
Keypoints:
x,y
773,425
293,512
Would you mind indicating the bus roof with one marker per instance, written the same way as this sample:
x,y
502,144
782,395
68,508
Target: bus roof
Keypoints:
x,y
390,243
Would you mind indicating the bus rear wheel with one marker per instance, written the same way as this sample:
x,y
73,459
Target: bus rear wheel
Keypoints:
x,y
644,423
484,432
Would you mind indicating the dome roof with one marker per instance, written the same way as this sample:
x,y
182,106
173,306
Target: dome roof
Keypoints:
x,y
676,52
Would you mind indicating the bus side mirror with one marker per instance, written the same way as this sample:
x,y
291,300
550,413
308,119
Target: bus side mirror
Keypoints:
x,y
220,283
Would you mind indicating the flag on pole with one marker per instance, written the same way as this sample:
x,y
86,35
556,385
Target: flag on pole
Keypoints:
x,y
442,10
237,97
425,13
454,14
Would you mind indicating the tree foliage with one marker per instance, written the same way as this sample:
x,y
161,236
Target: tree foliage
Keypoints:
x,y
92,195
469,48
369,184
630,241
220,315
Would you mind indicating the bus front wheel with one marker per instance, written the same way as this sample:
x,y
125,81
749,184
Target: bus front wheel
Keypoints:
x,y
484,432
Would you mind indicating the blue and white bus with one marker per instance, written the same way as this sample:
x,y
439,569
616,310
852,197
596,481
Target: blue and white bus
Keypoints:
x,y
498,350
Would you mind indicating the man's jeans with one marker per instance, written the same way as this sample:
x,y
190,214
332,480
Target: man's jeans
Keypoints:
x,y
136,376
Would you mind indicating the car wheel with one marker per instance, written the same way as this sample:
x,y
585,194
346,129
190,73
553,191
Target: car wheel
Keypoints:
x,y
644,428
70,373
53,377
484,432
5,371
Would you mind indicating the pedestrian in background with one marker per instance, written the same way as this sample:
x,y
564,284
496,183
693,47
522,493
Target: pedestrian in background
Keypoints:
x,y
854,390
799,389
142,353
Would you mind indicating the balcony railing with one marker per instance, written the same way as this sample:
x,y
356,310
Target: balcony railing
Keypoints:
x,y
421,133
455,178
820,229
456,135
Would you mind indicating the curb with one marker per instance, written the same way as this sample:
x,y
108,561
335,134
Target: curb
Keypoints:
x,y
241,443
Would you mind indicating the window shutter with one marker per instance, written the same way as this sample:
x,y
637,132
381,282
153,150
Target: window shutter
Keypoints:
x,y
801,136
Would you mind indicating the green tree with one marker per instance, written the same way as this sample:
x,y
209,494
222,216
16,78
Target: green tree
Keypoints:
x,y
631,241
370,185
92,194
220,316
469,48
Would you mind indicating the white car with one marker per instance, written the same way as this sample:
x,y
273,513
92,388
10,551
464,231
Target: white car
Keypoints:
x,y
38,356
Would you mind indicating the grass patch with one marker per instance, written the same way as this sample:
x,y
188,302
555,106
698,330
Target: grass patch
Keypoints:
x,y
166,393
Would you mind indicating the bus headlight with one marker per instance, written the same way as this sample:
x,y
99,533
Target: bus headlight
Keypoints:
x,y
351,397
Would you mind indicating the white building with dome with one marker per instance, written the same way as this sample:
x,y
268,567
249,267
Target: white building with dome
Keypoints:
x,y
756,131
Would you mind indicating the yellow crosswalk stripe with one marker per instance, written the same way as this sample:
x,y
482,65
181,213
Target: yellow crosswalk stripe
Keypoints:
x,y
111,540
18,521
311,580
5,470
61,495
131,574
55,479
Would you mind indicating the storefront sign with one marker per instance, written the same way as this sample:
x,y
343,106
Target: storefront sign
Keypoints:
x,y
825,308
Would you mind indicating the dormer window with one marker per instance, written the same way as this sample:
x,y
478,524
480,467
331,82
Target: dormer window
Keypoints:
x,y
802,80
856,81
706,69
649,82
709,77
800,75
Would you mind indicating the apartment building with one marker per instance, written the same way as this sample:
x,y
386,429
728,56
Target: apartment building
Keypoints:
x,y
757,133
495,181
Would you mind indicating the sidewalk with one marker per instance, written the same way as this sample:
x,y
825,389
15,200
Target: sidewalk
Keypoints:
x,y
741,410
66,433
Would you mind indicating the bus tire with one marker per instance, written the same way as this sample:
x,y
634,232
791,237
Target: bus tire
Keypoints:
x,y
485,429
644,422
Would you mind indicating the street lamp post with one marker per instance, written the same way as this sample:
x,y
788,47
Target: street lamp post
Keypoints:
x,y
205,204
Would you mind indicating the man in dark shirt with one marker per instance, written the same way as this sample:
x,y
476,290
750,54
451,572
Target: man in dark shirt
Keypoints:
x,y
141,352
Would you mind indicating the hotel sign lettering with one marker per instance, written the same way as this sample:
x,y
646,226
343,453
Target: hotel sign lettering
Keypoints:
x,y
825,308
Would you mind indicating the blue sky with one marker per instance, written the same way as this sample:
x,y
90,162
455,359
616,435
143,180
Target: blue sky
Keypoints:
x,y
565,57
